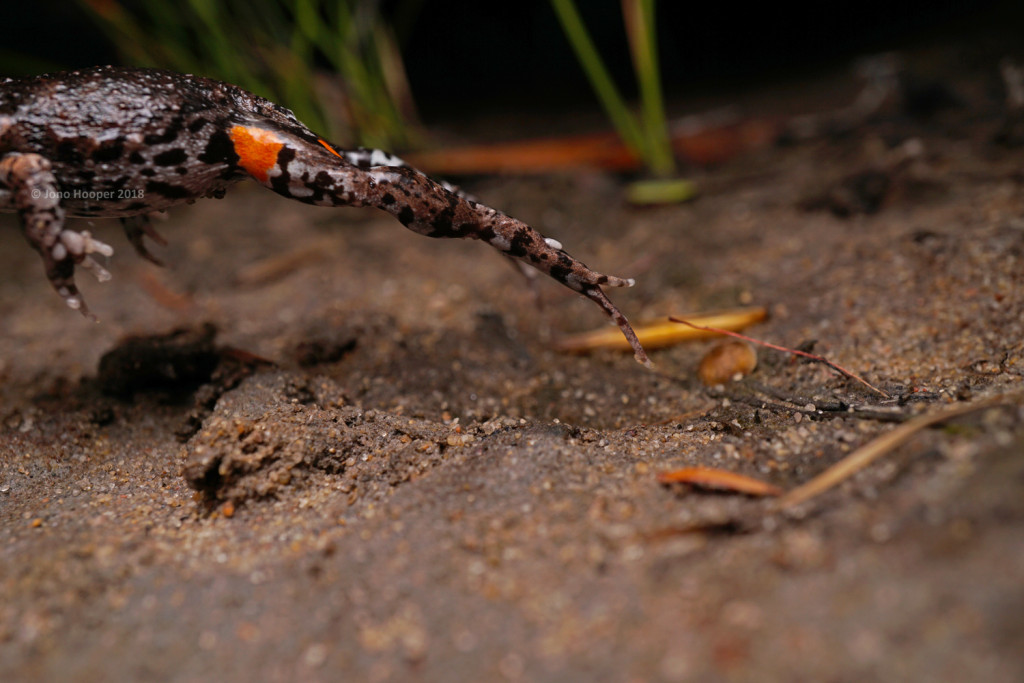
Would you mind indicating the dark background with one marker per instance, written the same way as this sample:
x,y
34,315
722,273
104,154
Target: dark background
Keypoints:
x,y
494,55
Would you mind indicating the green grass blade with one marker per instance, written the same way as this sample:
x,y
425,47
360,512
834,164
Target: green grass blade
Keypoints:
x,y
640,18
614,105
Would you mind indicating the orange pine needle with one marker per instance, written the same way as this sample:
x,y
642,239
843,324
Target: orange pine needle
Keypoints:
x,y
709,477
661,334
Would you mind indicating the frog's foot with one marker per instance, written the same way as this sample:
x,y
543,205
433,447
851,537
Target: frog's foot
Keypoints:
x,y
70,249
35,194
546,254
136,228
588,283
594,293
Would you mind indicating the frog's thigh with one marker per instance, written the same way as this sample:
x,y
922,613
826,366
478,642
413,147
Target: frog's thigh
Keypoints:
x,y
32,187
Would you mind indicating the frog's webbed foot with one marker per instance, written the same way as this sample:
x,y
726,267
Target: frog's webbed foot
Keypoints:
x,y
33,187
590,287
576,275
73,248
70,248
136,228
519,241
594,293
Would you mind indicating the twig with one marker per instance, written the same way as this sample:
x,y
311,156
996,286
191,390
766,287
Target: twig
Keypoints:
x,y
830,409
812,356
867,454
833,407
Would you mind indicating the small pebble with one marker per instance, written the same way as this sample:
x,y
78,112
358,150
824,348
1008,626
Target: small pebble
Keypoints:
x,y
727,361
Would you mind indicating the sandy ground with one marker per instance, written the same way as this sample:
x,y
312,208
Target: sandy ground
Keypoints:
x,y
379,470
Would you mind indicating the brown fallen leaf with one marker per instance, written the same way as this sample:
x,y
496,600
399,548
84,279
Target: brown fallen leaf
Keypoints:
x,y
724,480
665,332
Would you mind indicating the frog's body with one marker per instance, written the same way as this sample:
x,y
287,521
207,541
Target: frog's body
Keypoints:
x,y
124,142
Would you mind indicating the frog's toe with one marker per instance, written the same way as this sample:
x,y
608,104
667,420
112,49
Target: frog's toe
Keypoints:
x,y
73,248
99,272
594,293
79,245
73,298
612,281
583,278
61,275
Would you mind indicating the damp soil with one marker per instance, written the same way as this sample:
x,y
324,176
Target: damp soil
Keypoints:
x,y
317,446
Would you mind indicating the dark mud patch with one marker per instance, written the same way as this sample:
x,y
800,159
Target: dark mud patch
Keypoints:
x,y
175,363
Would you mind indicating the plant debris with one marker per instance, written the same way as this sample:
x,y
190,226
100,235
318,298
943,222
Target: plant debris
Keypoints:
x,y
812,356
662,334
884,444
722,480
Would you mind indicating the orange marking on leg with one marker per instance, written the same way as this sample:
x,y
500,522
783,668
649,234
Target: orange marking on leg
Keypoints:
x,y
257,150
329,148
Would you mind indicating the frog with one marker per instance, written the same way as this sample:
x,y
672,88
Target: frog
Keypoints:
x,y
129,142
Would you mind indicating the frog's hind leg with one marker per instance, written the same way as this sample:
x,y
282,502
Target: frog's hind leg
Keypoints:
x,y
430,209
424,206
288,163
34,193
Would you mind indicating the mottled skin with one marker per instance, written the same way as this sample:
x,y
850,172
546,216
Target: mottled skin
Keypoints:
x,y
124,142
